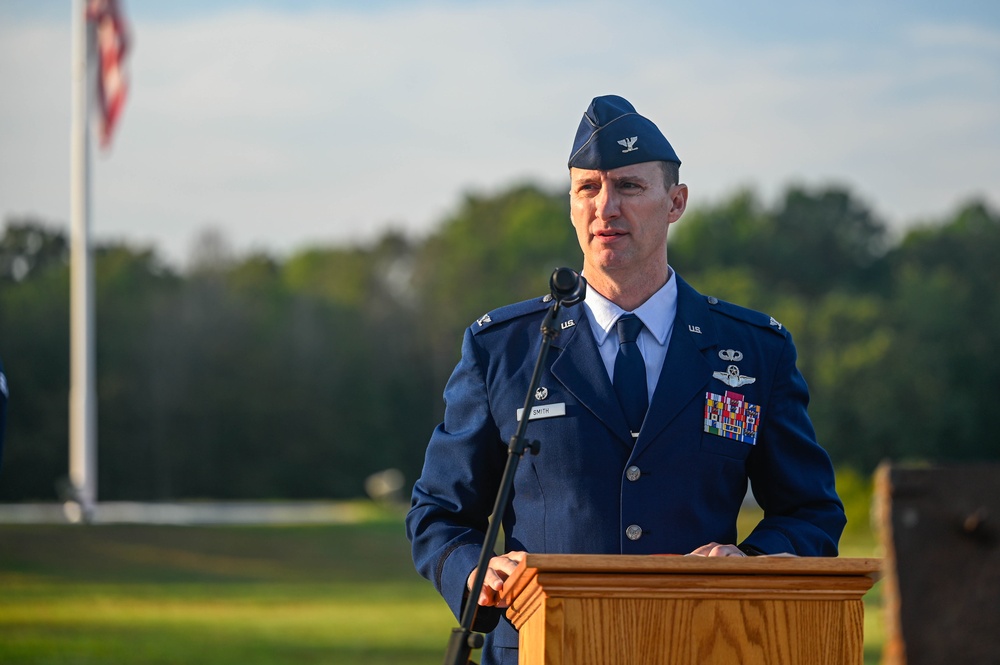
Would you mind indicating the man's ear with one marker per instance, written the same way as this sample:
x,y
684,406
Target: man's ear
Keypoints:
x,y
678,199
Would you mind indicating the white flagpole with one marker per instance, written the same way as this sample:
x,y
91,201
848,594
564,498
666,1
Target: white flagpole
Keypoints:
x,y
83,392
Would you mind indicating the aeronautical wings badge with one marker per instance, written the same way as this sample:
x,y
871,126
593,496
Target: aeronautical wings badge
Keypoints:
x,y
732,377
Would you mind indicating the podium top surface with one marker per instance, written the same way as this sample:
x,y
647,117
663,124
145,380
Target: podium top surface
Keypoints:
x,y
702,565
652,564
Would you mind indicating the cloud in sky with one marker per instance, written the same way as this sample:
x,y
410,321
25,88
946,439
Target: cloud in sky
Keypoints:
x,y
283,126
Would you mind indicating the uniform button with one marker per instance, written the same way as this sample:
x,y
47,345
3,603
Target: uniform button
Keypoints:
x,y
633,532
712,300
547,297
633,473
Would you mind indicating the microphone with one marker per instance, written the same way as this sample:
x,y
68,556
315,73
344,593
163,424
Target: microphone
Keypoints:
x,y
568,286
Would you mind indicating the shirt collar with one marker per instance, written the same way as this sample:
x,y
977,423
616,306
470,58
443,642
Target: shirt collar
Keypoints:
x,y
657,314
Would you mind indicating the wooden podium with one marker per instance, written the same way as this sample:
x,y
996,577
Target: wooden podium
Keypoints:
x,y
579,609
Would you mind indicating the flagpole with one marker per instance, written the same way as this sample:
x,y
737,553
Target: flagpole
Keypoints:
x,y
83,392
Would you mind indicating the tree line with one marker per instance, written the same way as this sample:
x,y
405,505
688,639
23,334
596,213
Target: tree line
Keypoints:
x,y
262,377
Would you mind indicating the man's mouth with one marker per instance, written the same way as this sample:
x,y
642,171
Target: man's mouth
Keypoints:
x,y
609,234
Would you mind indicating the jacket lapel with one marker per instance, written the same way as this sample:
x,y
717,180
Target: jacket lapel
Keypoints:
x,y
580,369
686,371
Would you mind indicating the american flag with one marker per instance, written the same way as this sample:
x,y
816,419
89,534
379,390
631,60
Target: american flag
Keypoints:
x,y
112,46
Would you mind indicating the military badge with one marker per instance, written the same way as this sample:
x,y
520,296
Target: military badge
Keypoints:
x,y
732,417
732,377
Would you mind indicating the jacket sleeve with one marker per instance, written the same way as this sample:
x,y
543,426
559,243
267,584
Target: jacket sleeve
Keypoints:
x,y
453,498
791,475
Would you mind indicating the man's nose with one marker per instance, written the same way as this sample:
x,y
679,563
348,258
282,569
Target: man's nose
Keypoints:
x,y
607,203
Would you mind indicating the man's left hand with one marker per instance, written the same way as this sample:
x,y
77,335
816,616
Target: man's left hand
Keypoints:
x,y
715,549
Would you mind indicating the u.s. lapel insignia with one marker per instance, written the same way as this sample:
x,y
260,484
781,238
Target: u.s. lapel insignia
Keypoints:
x,y
695,329
567,324
732,377
541,393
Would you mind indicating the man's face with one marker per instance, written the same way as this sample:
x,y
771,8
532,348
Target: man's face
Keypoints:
x,y
621,218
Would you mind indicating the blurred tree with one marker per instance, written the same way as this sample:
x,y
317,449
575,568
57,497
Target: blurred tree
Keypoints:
x,y
29,245
251,377
493,251
813,243
822,242
132,287
947,314
723,236
34,343
907,375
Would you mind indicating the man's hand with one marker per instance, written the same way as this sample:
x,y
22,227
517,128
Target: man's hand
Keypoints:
x,y
497,572
715,549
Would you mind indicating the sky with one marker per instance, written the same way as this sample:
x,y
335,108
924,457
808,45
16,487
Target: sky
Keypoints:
x,y
287,124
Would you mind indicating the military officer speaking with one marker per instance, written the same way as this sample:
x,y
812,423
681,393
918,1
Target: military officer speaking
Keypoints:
x,y
661,404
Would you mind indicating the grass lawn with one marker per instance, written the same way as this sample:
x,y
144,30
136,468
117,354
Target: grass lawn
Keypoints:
x,y
157,595
249,595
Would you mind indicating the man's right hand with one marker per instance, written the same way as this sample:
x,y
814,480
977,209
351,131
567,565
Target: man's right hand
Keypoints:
x,y
497,572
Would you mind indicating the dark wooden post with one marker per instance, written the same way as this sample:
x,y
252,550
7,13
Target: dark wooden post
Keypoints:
x,y
940,530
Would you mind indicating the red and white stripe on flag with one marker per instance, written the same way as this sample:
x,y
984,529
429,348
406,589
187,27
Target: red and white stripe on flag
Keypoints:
x,y
112,46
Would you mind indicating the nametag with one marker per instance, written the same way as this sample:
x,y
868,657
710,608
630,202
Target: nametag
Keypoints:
x,y
546,411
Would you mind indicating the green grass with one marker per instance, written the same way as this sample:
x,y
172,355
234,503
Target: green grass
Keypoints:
x,y
158,595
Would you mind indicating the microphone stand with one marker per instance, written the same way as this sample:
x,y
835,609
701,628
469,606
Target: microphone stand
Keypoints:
x,y
463,640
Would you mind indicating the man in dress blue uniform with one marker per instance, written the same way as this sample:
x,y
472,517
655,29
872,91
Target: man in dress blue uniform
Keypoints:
x,y
646,456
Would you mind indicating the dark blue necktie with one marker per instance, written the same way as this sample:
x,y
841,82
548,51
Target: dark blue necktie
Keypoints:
x,y
630,373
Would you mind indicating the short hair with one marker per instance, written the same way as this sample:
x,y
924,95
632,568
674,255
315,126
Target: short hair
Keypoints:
x,y
671,173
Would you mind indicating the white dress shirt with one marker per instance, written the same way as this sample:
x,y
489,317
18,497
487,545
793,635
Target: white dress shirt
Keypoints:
x,y
657,315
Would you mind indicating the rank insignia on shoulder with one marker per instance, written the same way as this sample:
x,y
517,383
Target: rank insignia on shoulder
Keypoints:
x,y
732,417
485,318
732,377
775,323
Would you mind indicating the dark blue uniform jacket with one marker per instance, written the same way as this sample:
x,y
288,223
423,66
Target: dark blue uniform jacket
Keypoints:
x,y
682,486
